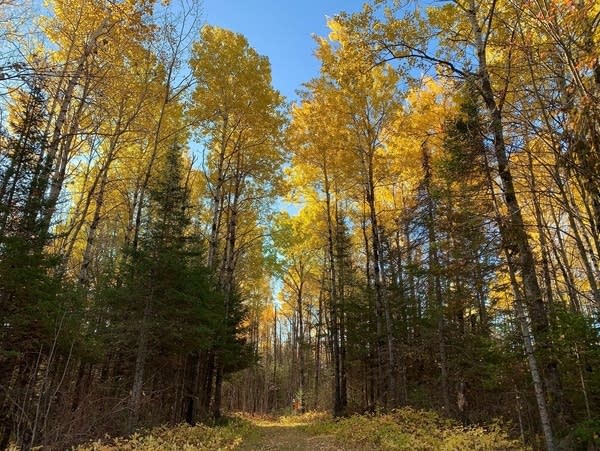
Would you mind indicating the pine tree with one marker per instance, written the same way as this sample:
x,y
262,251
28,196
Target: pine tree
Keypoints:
x,y
29,303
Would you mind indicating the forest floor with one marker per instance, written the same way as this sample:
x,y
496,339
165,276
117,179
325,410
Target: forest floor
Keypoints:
x,y
402,429
287,433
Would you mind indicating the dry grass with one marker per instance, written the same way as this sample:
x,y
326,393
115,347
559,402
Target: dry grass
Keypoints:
x,y
404,429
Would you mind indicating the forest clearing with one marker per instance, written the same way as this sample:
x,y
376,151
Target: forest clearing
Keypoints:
x,y
387,211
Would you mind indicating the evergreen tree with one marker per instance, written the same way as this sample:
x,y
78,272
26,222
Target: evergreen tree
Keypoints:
x,y
164,300
29,306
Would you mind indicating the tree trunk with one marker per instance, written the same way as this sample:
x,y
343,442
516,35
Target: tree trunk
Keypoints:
x,y
140,364
435,284
338,393
513,231
531,359
385,337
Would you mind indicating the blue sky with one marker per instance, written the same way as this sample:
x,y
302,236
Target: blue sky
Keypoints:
x,y
281,30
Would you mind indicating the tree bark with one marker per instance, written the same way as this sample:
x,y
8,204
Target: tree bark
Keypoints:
x,y
435,284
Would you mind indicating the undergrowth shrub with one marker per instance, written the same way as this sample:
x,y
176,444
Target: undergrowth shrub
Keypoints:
x,y
181,437
403,429
413,430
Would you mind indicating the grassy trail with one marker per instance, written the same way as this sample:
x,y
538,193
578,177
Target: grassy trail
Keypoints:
x,y
286,435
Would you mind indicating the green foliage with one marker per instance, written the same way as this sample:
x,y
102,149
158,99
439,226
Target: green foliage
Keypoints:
x,y
166,272
587,433
29,295
31,307
234,351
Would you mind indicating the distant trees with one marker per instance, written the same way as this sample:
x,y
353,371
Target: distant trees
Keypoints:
x,y
240,117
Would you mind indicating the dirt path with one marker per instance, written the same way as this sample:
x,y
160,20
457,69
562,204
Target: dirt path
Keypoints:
x,y
294,436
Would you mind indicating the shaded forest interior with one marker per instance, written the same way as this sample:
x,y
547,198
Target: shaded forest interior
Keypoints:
x,y
421,227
